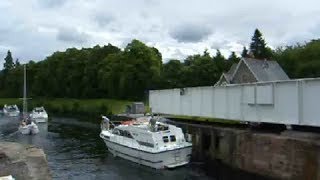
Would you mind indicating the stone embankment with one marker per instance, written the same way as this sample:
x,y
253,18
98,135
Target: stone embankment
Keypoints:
x,y
289,155
23,162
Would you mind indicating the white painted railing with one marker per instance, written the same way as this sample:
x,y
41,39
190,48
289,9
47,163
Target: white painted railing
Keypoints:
x,y
295,102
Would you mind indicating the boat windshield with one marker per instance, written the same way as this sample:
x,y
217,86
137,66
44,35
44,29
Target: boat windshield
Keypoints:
x,y
12,108
39,110
161,127
122,133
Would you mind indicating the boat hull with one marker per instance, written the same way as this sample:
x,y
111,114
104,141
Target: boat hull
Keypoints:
x,y
29,129
11,110
40,119
24,130
11,114
165,159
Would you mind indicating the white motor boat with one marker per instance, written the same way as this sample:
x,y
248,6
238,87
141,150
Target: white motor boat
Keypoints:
x,y
154,144
28,129
7,177
27,126
39,115
11,110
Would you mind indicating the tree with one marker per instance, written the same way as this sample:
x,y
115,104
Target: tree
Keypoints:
x,y
201,70
258,46
206,53
244,53
233,58
8,62
172,74
300,61
17,63
220,61
219,56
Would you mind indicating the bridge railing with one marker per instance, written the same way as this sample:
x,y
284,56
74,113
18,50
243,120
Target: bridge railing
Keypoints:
x,y
295,102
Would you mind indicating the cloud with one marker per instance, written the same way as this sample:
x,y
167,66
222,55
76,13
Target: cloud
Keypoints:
x,y
178,54
190,33
72,35
35,29
51,3
103,19
219,43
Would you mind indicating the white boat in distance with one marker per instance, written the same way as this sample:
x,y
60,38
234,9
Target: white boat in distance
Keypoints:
x,y
11,110
27,126
150,143
39,115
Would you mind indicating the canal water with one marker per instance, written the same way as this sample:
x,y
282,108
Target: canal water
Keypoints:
x,y
75,151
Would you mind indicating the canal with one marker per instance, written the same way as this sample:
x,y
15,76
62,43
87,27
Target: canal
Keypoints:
x,y
75,151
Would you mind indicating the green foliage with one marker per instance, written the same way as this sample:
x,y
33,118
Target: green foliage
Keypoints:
x,y
300,61
244,53
233,58
112,73
172,73
108,72
17,63
129,74
8,62
82,108
258,46
197,70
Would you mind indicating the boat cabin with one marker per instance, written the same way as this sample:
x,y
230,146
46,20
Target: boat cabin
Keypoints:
x,y
159,136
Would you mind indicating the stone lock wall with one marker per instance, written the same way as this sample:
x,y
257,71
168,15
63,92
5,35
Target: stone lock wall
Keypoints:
x,y
294,155
23,162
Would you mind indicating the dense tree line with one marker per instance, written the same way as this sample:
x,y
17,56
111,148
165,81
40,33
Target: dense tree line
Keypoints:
x,y
300,60
196,70
110,72
88,73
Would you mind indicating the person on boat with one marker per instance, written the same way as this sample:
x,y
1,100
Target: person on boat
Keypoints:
x,y
28,121
105,123
23,123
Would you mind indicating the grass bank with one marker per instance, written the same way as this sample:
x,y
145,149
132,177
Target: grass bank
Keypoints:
x,y
89,109
203,120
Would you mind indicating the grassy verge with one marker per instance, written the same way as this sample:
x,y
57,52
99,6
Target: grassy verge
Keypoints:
x,y
203,119
81,108
8,101
91,109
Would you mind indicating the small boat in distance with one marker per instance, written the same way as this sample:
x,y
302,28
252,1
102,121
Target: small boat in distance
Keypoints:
x,y
11,110
27,126
150,143
39,115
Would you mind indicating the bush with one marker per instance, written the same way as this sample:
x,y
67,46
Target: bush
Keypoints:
x,y
104,109
76,107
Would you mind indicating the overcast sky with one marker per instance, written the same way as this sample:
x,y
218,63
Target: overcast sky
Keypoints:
x,y
34,29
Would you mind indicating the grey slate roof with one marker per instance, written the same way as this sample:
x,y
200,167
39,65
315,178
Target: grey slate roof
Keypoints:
x,y
230,73
266,70
263,70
